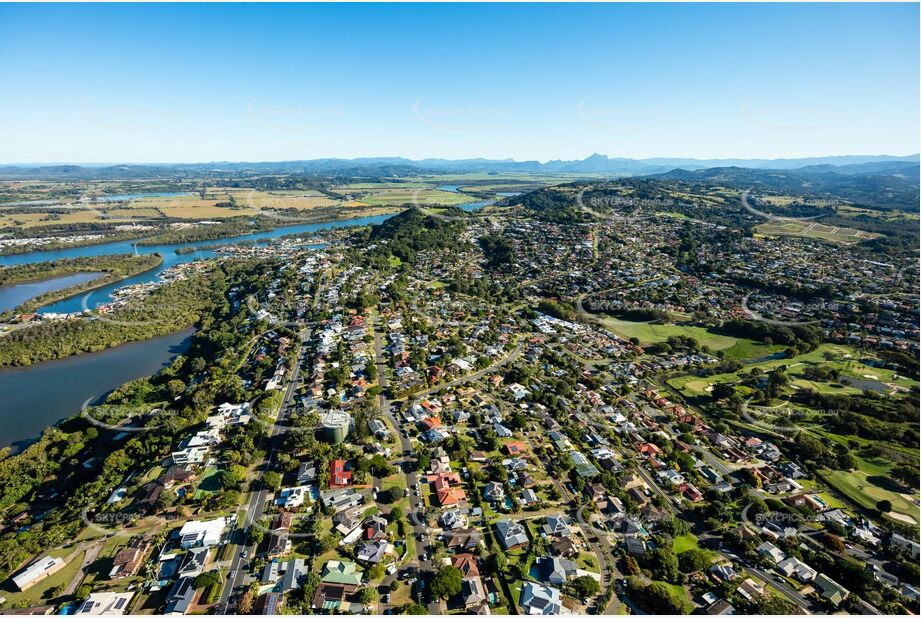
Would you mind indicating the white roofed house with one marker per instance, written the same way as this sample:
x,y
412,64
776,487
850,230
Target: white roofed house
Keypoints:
x,y
105,603
37,571
191,455
517,391
794,567
292,497
771,552
202,533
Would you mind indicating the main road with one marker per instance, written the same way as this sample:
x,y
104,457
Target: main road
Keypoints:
x,y
415,503
257,499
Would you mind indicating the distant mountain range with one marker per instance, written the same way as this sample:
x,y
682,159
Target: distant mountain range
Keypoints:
x,y
388,166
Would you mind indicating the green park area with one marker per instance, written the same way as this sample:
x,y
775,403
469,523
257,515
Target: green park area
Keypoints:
x,y
848,361
657,333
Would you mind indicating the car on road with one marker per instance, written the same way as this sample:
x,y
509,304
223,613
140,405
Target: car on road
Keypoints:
x,y
230,574
244,554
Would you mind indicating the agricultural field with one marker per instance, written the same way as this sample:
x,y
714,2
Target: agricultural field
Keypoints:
x,y
301,200
421,196
218,204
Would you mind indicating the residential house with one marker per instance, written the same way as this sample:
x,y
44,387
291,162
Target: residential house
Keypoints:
x,y
179,598
105,603
796,568
557,525
130,558
556,571
771,552
830,590
339,477
539,600
473,593
467,539
202,533
467,563
512,534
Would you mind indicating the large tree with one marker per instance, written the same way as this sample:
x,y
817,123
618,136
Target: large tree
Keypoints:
x,y
447,582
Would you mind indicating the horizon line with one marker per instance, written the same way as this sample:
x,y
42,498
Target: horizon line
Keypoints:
x,y
480,158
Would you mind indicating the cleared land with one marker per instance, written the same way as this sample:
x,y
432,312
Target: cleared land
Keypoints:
x,y
219,203
657,333
811,229
420,196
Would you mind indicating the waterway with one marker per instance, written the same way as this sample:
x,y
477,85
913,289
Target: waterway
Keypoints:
x,y
32,398
102,295
15,294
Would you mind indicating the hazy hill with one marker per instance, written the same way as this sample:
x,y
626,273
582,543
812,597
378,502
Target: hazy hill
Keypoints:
x,y
396,166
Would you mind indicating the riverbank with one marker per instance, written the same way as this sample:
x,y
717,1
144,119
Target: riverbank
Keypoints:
x,y
183,302
110,269
15,294
29,405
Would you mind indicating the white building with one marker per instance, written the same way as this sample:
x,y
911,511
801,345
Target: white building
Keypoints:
x,y
292,497
37,571
107,603
202,533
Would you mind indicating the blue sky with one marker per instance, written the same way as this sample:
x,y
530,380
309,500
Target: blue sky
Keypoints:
x,y
209,82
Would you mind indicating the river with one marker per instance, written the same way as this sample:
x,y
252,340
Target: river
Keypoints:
x,y
102,295
15,294
28,405
32,398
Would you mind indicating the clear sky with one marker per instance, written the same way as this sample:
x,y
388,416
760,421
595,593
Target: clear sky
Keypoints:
x,y
242,82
